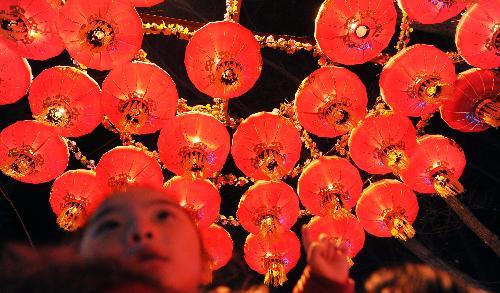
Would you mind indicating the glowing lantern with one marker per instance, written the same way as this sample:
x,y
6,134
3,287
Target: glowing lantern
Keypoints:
x,y
198,196
31,152
266,146
417,80
388,208
435,166
272,259
74,196
382,143
218,245
29,28
223,59
194,143
431,11
146,3
478,35
15,76
329,186
138,97
475,105
100,34
330,101
353,33
268,207
67,98
125,166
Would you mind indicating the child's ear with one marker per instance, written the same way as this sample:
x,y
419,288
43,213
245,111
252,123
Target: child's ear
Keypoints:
x,y
206,274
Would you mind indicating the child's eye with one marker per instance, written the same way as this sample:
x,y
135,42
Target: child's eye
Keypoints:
x,y
107,226
163,215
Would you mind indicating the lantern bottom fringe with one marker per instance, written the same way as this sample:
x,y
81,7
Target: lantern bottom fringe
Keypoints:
x,y
401,228
489,112
275,274
71,217
446,186
269,227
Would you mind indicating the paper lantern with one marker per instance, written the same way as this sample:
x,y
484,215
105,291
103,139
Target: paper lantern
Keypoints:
x,y
29,28
388,208
218,245
138,97
382,143
194,143
74,196
268,207
417,80
435,166
329,186
475,103
198,196
67,98
330,101
266,146
272,259
31,152
432,11
125,166
100,34
223,59
146,3
478,35
15,76
353,33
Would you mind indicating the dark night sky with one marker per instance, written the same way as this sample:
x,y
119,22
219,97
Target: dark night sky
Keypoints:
x,y
438,228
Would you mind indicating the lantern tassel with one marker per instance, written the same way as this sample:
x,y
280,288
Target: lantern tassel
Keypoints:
x,y
398,224
72,216
394,158
269,226
447,185
275,273
489,112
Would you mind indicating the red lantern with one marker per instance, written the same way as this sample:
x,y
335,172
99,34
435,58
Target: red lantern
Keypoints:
x,y
388,208
138,97
329,185
223,59
198,196
477,35
272,259
382,143
125,166
194,143
268,207
431,11
435,166
29,28
266,146
67,98
475,105
351,33
146,3
100,34
218,245
417,80
74,196
330,101
15,76
31,152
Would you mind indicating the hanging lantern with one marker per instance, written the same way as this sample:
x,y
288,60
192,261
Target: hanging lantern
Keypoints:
x,y
435,166
138,97
67,98
417,80
388,208
432,11
266,146
100,34
329,186
146,3
223,59
267,208
272,259
351,33
382,143
29,28
478,35
475,105
198,196
74,196
330,101
194,143
15,76
125,166
218,245
31,152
